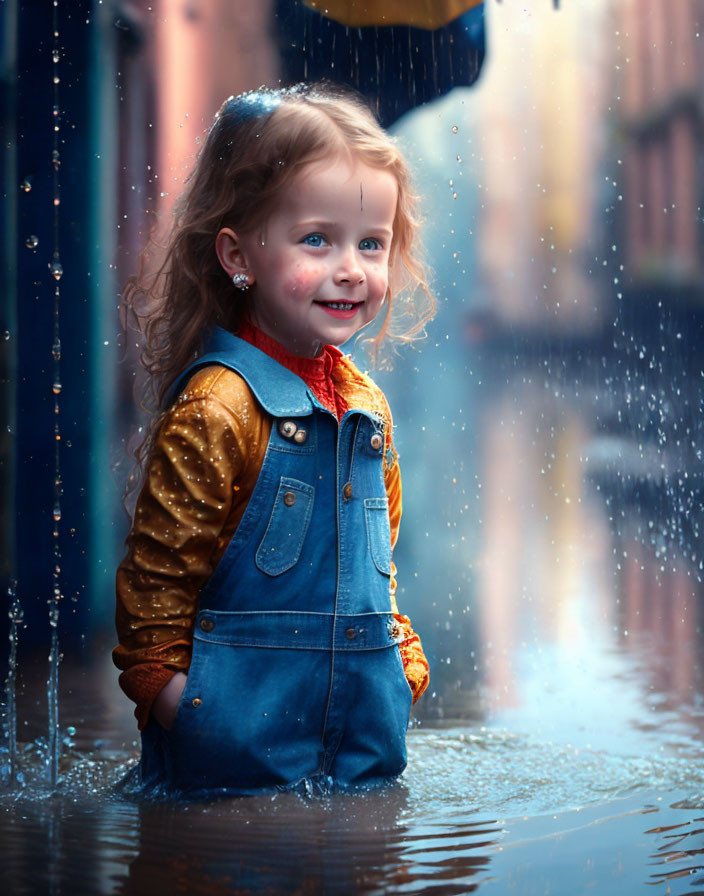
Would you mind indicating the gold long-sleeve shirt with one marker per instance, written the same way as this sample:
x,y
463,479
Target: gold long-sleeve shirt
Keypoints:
x,y
201,473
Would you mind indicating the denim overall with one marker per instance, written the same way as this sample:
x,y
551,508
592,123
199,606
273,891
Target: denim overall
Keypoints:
x,y
296,677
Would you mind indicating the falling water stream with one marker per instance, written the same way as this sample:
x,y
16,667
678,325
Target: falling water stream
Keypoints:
x,y
52,751
56,269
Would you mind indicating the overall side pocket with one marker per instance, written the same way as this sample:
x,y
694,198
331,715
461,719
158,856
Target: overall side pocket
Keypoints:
x,y
283,540
376,514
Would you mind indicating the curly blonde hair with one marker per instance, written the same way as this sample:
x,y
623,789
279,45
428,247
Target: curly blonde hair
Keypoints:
x,y
257,144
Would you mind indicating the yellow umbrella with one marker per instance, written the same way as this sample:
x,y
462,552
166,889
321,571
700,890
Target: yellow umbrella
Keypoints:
x,y
428,14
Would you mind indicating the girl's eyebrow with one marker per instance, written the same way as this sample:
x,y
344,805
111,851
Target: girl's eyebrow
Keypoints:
x,y
322,224
314,223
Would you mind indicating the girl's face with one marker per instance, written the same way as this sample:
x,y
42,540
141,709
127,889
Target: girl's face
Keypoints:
x,y
320,263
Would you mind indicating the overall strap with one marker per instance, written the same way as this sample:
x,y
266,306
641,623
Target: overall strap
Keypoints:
x,y
280,392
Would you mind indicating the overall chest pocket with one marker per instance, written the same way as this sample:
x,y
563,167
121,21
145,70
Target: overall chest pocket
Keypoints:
x,y
283,540
376,514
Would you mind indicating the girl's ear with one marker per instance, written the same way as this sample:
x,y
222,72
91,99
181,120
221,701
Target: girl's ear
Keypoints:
x,y
228,248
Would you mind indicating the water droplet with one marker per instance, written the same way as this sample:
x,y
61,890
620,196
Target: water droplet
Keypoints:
x,y
56,350
55,159
71,730
55,56
55,268
32,242
26,185
56,388
57,512
454,129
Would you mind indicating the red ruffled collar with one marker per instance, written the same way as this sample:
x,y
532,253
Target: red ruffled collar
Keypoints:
x,y
309,369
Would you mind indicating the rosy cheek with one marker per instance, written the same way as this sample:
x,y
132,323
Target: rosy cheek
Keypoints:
x,y
302,279
377,287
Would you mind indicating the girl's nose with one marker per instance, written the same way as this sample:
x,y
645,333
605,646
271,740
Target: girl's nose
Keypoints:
x,y
349,271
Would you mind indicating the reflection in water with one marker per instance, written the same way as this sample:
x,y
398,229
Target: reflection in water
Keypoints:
x,y
275,845
544,577
578,613
286,844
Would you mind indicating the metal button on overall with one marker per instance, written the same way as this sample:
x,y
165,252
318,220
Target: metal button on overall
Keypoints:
x,y
288,428
350,634
347,491
207,624
289,499
300,436
196,701
376,441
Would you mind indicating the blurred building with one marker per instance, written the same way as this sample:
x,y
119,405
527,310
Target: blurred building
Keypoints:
x,y
659,110
655,173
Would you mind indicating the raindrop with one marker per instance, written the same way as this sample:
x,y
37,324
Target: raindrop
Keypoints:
x,y
55,268
55,159
55,56
56,350
26,185
56,388
57,512
455,129
32,242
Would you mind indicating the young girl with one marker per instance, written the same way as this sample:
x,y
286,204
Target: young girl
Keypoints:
x,y
258,629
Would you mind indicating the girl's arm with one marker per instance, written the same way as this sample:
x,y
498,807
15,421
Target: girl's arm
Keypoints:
x,y
180,530
415,664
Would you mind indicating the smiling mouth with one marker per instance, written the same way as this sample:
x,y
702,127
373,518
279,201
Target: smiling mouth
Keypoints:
x,y
339,306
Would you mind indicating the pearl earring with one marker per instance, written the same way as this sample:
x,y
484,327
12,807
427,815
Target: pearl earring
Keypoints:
x,y
241,281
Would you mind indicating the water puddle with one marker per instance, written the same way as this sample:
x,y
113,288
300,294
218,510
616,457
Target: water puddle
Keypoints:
x,y
477,807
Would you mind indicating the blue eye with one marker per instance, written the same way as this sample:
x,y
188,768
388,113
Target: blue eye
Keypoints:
x,y
313,239
370,244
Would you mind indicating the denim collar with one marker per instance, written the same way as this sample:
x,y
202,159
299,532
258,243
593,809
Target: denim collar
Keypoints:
x,y
280,392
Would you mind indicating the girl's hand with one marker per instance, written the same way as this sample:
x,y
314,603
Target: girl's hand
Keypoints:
x,y
166,703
